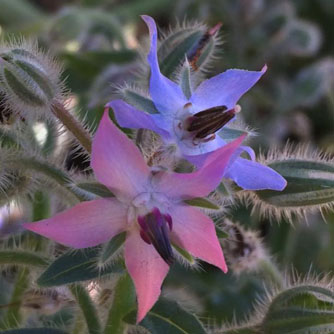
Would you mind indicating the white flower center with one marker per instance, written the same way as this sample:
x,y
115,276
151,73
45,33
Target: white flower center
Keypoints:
x,y
144,203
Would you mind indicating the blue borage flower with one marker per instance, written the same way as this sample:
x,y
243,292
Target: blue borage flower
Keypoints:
x,y
195,123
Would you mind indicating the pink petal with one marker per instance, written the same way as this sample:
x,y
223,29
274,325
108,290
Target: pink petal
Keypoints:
x,y
205,179
166,94
195,232
147,270
116,161
85,225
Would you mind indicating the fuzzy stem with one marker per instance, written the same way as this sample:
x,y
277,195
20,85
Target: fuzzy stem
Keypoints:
x,y
13,318
25,258
270,271
88,309
73,125
79,325
57,175
123,301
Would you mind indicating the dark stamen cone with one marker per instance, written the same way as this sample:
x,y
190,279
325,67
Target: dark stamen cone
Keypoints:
x,y
209,121
155,230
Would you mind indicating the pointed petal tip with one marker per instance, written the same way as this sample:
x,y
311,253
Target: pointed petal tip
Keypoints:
x,y
284,184
140,317
149,21
264,68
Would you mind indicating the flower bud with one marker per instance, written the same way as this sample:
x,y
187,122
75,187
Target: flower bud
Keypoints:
x,y
29,80
243,249
310,188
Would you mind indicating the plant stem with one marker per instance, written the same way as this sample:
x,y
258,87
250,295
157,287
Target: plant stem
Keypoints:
x,y
13,318
55,174
73,125
88,308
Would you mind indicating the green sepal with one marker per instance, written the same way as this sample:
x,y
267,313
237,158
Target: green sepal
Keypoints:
x,y
95,188
168,317
110,248
185,42
309,183
202,203
77,266
229,134
185,80
138,100
185,255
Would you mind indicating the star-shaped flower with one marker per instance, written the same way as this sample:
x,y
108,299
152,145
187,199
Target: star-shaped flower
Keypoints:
x,y
195,122
149,206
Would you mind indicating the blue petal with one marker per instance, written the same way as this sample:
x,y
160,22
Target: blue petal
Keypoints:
x,y
225,89
189,149
166,94
251,175
129,117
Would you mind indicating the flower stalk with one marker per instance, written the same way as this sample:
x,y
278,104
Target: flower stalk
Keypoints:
x,y
72,125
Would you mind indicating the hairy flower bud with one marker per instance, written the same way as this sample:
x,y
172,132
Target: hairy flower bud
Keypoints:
x,y
29,80
244,249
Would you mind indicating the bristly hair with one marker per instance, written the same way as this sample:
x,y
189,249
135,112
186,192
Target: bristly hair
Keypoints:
x,y
50,66
266,210
164,36
262,304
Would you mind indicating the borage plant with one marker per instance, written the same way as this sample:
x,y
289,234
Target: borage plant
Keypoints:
x,y
153,201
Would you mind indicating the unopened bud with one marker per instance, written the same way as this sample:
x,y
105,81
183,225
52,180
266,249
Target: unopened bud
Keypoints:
x,y
243,249
29,81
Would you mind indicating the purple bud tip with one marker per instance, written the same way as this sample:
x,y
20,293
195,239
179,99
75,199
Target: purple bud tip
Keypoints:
x,y
214,29
155,228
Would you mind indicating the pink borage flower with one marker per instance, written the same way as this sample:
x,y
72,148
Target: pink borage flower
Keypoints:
x,y
149,206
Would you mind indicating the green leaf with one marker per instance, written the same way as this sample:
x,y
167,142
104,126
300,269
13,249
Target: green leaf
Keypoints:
x,y
43,330
299,309
124,300
168,317
202,203
88,309
23,258
111,247
76,266
310,183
